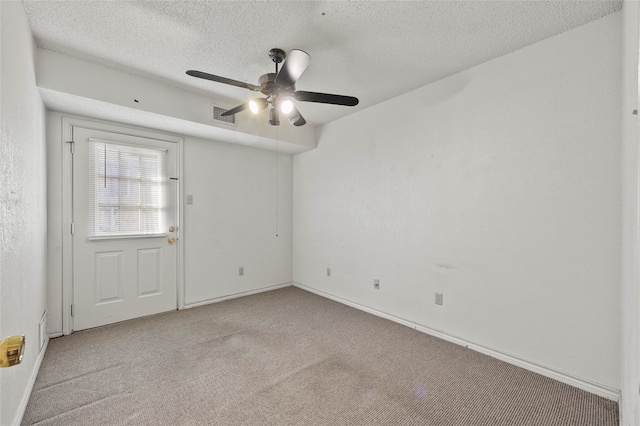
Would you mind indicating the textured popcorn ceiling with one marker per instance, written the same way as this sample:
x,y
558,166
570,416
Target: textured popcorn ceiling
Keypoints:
x,y
372,50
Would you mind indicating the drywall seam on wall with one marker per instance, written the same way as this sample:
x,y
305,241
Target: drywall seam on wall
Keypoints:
x,y
579,383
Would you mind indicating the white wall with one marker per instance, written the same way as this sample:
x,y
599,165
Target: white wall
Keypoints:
x,y
231,223
22,209
54,223
499,187
630,291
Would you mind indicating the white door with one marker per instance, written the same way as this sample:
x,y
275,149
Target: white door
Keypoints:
x,y
125,227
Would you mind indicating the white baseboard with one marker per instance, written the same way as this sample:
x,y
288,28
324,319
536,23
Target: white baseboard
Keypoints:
x,y
32,381
586,385
236,295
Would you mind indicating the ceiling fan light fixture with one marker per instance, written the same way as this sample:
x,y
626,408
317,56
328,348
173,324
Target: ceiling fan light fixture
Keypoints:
x,y
294,118
256,105
286,107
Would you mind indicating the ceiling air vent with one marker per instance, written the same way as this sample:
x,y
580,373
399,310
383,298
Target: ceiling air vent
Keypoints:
x,y
217,115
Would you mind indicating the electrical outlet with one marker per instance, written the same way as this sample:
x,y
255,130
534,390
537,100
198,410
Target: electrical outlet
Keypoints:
x,y
376,284
328,272
189,199
438,298
241,270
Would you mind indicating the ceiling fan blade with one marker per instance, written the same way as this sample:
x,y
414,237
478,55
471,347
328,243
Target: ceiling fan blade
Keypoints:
x,y
235,110
325,98
200,74
296,118
294,65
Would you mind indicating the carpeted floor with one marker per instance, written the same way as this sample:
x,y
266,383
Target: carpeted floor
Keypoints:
x,y
289,357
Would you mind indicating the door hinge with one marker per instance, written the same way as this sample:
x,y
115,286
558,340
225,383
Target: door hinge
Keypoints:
x,y
71,144
71,310
73,229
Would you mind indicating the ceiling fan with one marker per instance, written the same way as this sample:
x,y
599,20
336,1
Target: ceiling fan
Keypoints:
x,y
280,88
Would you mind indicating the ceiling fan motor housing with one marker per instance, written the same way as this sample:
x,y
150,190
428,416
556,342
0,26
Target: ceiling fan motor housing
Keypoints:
x,y
270,87
267,82
274,92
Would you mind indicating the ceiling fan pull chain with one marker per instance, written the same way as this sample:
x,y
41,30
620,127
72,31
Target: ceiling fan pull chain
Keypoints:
x,y
276,180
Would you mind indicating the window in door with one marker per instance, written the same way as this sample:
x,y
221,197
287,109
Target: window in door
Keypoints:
x,y
126,190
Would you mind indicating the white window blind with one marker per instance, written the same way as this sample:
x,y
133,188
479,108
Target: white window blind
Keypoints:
x,y
126,190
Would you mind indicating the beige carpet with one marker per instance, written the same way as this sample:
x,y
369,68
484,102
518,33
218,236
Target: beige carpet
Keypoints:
x,y
288,357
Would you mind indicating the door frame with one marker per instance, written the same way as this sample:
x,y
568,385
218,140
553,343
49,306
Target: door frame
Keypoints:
x,y
68,123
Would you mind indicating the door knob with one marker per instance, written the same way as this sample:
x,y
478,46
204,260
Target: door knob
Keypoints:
x,y
171,240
